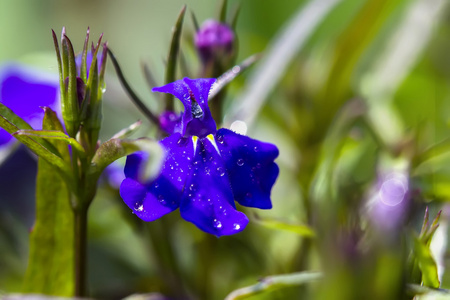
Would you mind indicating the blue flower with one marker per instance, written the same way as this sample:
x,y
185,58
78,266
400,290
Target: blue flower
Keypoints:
x,y
205,170
25,90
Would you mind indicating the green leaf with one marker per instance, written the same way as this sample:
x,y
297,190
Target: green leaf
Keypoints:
x,y
51,258
300,229
271,283
173,55
52,135
426,264
13,123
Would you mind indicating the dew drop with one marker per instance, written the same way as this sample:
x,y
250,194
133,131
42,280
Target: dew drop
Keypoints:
x,y
236,226
221,171
256,149
219,138
156,185
161,199
207,171
138,206
217,224
179,179
192,187
240,162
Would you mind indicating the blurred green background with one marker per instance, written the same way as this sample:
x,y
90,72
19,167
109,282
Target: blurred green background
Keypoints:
x,y
367,92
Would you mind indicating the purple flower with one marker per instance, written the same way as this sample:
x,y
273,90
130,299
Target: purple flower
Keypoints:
x,y
205,170
214,41
25,90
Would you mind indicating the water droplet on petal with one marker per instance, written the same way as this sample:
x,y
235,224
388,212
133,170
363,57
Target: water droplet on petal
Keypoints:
x,y
192,187
156,185
240,162
256,149
217,224
179,179
219,138
236,226
138,206
221,171
207,171
161,199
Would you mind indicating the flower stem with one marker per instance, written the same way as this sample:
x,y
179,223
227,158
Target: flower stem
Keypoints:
x,y
80,251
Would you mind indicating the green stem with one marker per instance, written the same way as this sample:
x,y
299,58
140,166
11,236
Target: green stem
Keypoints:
x,y
80,244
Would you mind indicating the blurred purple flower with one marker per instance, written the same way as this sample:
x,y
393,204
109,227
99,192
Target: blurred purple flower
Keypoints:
x,y
25,90
390,201
205,170
214,41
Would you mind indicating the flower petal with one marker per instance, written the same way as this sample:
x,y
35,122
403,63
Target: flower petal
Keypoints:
x,y
143,203
207,200
24,90
166,190
250,166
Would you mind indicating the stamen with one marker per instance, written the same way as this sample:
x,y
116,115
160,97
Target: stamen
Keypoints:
x,y
194,141
210,137
196,110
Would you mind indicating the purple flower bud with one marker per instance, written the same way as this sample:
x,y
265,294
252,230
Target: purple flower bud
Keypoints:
x,y
214,41
169,120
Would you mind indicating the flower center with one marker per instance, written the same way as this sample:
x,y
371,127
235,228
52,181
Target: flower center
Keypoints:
x,y
196,110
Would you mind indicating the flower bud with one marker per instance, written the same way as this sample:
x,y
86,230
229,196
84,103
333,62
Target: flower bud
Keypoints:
x,y
214,42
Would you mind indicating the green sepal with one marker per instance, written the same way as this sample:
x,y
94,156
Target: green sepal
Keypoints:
x,y
83,68
60,66
172,57
69,103
195,22
426,263
93,99
52,123
13,123
51,265
115,148
223,11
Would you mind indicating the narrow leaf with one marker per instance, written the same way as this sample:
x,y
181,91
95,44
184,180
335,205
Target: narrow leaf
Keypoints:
x,y
300,229
52,135
274,282
13,123
173,55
